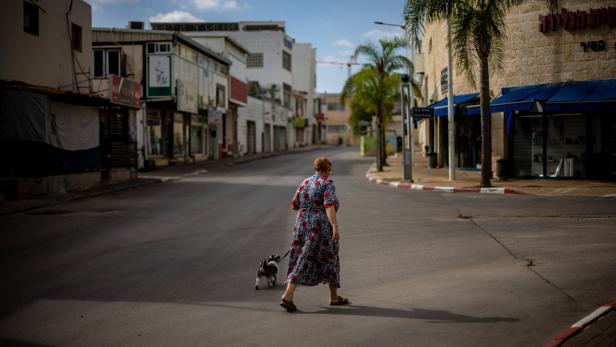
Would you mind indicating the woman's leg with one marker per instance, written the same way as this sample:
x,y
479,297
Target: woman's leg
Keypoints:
x,y
288,294
333,292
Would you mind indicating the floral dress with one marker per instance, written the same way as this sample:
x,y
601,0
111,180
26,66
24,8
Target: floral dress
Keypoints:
x,y
313,258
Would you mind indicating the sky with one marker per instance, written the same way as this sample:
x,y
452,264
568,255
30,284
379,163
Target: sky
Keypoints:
x,y
334,27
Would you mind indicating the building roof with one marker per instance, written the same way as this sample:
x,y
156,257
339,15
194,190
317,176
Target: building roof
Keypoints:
x,y
164,35
227,37
220,26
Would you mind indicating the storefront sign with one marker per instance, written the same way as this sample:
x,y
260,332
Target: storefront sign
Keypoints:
x,y
159,75
444,76
422,112
125,92
214,116
578,20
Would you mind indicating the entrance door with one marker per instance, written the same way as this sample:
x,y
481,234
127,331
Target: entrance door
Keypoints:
x,y
251,137
268,138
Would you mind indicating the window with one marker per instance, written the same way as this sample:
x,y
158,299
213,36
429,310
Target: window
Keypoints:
x,y
31,18
106,62
336,129
286,95
335,107
286,61
220,96
159,47
288,42
76,37
254,60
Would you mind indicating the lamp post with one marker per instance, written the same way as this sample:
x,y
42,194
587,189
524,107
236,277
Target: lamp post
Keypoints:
x,y
450,110
405,112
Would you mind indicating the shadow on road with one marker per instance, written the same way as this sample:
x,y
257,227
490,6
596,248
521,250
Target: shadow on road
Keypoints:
x,y
435,316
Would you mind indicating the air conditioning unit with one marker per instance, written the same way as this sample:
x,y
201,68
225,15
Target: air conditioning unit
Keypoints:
x,y
137,25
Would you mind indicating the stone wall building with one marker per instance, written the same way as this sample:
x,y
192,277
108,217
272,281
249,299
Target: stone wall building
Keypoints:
x,y
560,55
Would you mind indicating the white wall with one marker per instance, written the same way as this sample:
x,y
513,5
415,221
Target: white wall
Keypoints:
x,y
44,60
253,112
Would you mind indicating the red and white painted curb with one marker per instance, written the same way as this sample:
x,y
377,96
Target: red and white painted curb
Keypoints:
x,y
404,185
559,339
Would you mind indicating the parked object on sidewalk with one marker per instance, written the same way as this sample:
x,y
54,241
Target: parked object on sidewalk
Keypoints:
x,y
432,160
502,169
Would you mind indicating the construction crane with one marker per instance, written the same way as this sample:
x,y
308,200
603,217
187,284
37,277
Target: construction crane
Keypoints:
x,y
341,63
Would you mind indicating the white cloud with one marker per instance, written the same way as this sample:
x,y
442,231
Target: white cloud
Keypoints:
x,y
379,34
343,43
215,4
175,16
98,5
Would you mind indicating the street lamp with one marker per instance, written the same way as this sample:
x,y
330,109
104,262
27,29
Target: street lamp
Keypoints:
x,y
407,127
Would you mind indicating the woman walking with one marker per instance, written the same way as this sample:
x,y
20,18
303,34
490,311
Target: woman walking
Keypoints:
x,y
313,258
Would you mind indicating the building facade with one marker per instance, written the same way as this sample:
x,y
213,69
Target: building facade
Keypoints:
x,y
542,126
270,68
185,92
336,119
55,134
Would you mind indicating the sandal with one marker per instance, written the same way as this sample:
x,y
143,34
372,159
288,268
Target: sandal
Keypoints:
x,y
288,305
339,301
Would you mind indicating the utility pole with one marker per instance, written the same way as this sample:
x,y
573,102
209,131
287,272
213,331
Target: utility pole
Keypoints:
x,y
450,110
407,127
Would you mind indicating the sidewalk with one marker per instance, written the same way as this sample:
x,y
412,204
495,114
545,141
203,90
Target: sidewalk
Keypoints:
x,y
439,177
170,173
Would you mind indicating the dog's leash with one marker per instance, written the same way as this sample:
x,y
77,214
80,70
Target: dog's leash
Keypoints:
x,y
285,255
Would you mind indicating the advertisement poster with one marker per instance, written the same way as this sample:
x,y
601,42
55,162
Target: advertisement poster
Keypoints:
x,y
159,75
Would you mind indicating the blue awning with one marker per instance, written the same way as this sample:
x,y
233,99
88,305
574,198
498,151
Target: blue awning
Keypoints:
x,y
522,98
583,96
517,99
440,108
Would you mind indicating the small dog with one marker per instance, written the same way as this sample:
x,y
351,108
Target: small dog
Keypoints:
x,y
268,269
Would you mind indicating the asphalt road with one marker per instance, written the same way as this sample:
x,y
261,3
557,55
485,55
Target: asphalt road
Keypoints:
x,y
173,264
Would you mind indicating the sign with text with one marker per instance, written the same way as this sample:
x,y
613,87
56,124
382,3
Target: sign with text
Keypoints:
x,y
125,92
578,20
422,112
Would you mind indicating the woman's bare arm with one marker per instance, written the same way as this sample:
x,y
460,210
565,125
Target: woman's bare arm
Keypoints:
x,y
331,215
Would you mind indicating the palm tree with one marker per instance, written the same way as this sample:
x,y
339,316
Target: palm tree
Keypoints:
x,y
374,89
478,35
368,96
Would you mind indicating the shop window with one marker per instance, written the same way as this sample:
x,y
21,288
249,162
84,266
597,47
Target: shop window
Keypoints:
x,y
76,37
178,136
106,62
197,141
154,133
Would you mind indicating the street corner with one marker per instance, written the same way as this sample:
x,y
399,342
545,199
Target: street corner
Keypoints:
x,y
394,183
598,327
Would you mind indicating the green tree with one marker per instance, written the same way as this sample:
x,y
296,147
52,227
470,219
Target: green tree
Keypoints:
x,y
478,34
374,90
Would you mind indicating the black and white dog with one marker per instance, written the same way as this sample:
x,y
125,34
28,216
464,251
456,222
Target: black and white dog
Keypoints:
x,y
268,269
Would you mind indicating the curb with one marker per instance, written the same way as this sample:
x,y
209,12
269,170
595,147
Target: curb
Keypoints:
x,y
566,334
405,185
